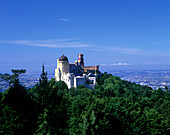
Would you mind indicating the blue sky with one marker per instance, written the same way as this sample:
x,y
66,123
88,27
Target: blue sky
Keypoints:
x,y
115,33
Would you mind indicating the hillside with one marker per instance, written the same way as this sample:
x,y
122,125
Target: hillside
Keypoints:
x,y
115,106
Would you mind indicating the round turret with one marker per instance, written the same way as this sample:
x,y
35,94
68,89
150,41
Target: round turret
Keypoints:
x,y
63,58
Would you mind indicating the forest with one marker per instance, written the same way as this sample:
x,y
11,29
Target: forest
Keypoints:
x,y
115,106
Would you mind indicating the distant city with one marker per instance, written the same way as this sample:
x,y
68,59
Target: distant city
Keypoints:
x,y
152,78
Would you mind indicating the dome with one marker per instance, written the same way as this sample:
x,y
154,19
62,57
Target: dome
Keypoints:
x,y
63,58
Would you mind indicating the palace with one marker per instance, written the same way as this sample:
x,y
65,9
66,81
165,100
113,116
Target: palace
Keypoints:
x,y
74,74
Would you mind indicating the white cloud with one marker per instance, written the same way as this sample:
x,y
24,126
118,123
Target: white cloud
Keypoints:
x,y
52,43
102,64
120,64
132,51
77,43
64,19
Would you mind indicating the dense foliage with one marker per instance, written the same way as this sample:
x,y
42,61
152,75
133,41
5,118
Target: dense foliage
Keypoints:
x,y
113,107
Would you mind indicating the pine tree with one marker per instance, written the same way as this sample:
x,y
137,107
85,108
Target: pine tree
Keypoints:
x,y
43,127
44,78
166,88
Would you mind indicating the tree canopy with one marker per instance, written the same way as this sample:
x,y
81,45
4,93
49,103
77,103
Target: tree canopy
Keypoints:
x,y
115,106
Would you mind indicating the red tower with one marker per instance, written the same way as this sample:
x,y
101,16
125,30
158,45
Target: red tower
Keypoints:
x,y
81,59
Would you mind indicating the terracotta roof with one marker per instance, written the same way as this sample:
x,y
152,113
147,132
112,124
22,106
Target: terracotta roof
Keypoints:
x,y
90,67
